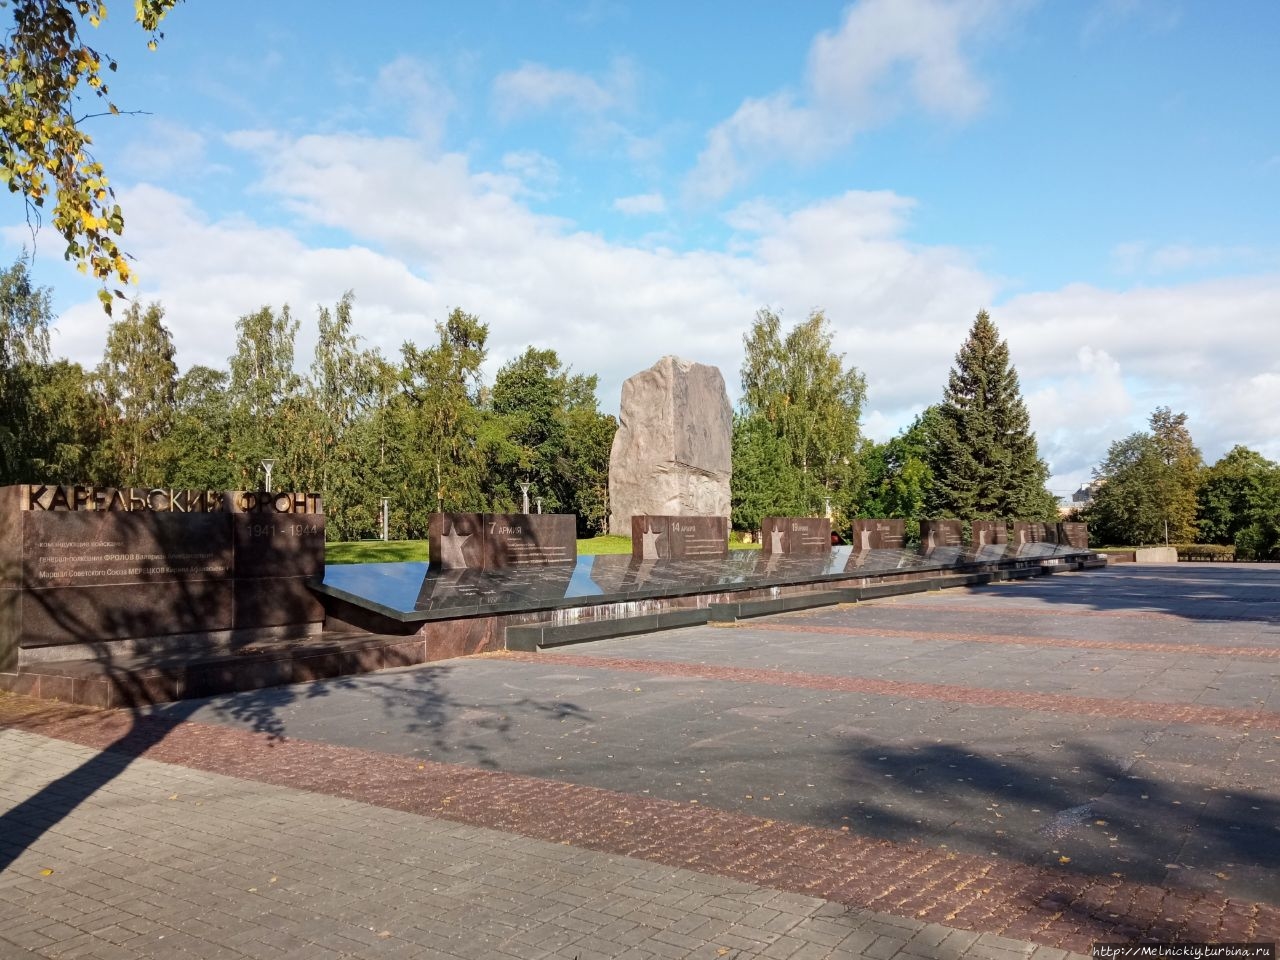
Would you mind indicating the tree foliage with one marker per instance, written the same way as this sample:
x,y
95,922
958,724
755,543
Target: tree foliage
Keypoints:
x,y
1149,489
985,461
137,380
796,388
899,480
1239,504
50,76
25,315
548,432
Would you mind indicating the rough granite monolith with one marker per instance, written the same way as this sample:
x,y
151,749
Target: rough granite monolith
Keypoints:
x,y
673,452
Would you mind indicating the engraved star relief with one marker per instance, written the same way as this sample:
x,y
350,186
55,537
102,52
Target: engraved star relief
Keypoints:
x,y
451,549
649,545
775,543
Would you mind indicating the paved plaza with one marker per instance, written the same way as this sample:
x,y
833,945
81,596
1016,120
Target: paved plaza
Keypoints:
x,y
1015,770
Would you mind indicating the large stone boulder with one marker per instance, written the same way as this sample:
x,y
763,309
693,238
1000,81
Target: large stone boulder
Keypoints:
x,y
673,452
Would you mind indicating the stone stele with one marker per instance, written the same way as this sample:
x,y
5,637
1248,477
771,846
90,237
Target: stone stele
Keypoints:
x,y
673,452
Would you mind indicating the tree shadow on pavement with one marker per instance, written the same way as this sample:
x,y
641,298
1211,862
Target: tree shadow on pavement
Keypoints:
x,y
1078,810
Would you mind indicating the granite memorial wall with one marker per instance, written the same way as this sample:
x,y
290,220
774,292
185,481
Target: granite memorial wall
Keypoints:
x,y
1074,534
879,535
490,541
795,536
940,538
679,538
1028,533
84,564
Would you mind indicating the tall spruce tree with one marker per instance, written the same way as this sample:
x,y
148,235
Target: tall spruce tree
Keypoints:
x,y
984,458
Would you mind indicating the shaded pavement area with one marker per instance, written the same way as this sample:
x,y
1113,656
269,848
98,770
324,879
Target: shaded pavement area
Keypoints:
x,y
1022,767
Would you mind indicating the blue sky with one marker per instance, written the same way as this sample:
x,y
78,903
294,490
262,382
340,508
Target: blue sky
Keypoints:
x,y
620,181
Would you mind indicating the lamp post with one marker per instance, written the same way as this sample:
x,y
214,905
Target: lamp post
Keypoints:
x,y
539,504
386,513
524,492
267,465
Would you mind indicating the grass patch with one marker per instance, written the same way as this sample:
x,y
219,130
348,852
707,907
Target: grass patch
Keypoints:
x,y
607,544
399,551
375,551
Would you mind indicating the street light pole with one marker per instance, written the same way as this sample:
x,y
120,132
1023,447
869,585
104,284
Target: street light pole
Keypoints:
x,y
267,465
524,492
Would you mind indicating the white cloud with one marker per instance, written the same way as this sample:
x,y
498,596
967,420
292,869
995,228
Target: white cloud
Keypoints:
x,y
1130,259
207,274
535,87
887,55
538,173
160,148
642,204
424,97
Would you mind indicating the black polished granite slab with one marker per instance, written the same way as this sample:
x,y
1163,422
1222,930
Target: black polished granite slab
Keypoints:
x,y
411,592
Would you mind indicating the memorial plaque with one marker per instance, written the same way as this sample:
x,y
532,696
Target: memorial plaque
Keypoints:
x,y
1074,534
492,541
83,564
519,539
936,535
671,538
90,549
988,533
878,535
1025,533
795,536
989,539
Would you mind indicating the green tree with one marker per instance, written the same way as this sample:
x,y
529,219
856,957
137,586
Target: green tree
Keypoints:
x,y
199,447
899,479
1239,503
764,483
339,396
440,459
48,75
267,418
1149,484
68,424
137,379
1180,477
25,315
984,458
547,430
799,386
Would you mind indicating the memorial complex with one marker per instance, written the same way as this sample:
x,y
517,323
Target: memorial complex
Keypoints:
x,y
114,595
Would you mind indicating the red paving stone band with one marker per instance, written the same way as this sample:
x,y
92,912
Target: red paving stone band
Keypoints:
x,y
1051,907
946,636
1072,612
944,692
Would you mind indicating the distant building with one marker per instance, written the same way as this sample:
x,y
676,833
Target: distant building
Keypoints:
x,y
1083,497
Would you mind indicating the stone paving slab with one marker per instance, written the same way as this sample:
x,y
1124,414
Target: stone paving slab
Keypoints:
x,y
165,861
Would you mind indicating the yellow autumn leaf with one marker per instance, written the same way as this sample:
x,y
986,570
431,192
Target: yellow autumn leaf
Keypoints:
x,y
1064,859
46,872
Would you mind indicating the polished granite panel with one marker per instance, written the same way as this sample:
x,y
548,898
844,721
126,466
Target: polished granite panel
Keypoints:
x,y
411,591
